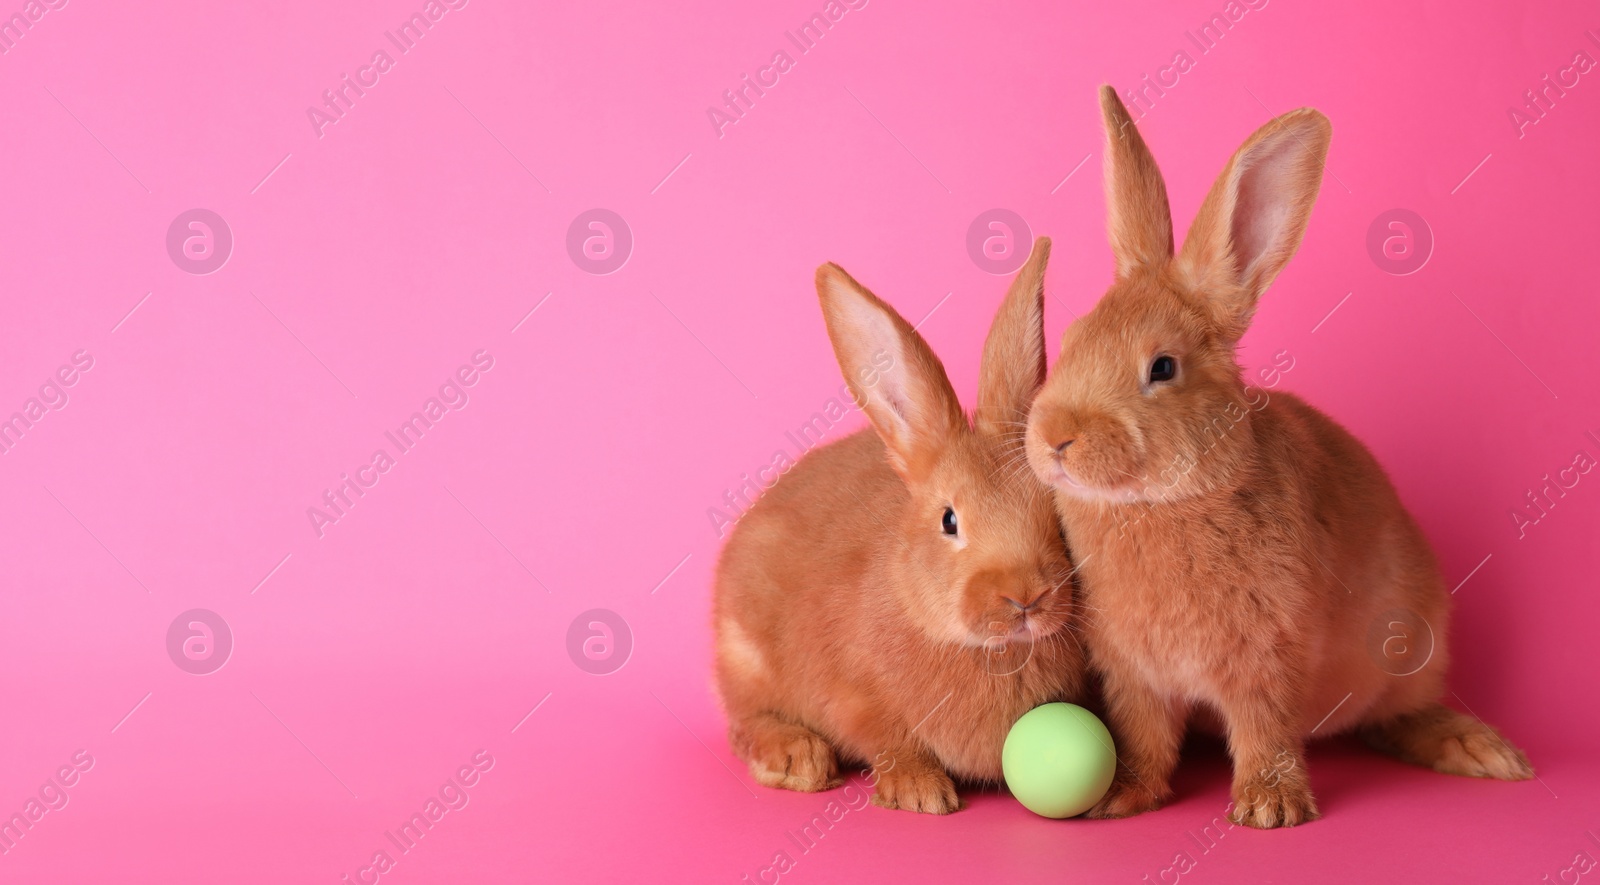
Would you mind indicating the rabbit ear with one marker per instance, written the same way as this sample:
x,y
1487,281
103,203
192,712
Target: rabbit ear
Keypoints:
x,y
893,375
1013,355
1253,219
1138,219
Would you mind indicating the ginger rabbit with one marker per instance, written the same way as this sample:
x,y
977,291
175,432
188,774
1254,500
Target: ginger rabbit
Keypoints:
x,y
1236,551
903,595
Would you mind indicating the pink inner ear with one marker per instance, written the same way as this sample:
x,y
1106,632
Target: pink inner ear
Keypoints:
x,y
894,387
874,334
898,404
1266,193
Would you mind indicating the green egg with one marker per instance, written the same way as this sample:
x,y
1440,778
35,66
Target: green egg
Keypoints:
x,y
1058,760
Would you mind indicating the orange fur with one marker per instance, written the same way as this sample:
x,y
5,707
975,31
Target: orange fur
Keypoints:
x,y
848,624
1235,548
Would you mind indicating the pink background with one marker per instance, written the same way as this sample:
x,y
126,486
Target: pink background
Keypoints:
x,y
422,227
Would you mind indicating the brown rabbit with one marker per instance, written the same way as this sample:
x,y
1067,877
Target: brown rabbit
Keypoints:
x,y
1236,551
902,596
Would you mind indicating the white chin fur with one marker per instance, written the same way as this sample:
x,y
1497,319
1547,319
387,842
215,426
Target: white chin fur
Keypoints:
x,y
1037,631
999,643
1034,632
1117,495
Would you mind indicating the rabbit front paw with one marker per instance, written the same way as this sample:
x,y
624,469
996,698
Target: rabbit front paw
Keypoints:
x,y
916,784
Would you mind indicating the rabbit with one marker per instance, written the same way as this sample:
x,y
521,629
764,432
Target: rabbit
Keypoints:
x,y
903,595
1237,551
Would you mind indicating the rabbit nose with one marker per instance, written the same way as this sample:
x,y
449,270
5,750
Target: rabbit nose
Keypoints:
x,y
1061,448
1021,607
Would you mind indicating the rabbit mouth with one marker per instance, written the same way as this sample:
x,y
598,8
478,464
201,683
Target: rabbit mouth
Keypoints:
x,y
1022,631
1026,630
1050,469
1046,626
1010,653
1120,493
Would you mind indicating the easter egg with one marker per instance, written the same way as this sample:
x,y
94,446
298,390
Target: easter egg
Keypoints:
x,y
1058,760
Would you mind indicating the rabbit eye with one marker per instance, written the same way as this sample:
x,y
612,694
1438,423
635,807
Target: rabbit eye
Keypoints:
x,y
1165,368
949,521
